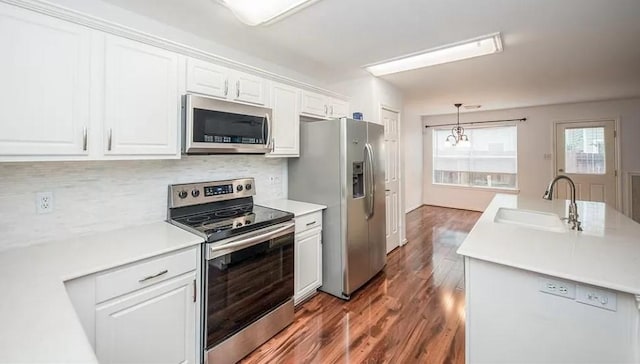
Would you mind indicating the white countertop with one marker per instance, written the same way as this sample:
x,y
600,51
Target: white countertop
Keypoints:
x,y
295,207
38,323
605,254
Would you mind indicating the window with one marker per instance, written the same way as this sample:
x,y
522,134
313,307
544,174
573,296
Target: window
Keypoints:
x,y
584,150
490,161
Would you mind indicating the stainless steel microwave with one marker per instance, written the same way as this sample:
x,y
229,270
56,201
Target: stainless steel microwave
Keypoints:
x,y
213,126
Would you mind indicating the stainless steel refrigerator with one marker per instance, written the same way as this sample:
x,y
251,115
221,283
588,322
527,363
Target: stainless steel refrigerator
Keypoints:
x,y
341,165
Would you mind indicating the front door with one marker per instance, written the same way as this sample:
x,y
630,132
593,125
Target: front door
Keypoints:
x,y
392,181
585,151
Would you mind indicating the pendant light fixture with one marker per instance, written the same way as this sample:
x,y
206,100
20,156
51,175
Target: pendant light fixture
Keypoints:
x,y
457,136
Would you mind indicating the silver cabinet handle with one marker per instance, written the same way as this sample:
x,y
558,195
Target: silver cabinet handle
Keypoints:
x,y
226,87
311,223
110,139
153,276
84,139
331,110
326,110
238,89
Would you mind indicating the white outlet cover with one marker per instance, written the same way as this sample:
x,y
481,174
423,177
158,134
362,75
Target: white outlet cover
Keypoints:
x,y
44,202
557,287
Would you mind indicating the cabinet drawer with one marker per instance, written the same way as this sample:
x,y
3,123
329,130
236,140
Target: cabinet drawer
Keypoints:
x,y
140,275
308,221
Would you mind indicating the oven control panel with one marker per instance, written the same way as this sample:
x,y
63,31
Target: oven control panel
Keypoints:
x,y
218,190
189,194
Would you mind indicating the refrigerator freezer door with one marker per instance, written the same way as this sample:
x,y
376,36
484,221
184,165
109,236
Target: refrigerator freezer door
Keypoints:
x,y
377,221
357,269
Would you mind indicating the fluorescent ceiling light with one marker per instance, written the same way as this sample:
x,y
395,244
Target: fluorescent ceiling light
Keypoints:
x,y
256,12
471,48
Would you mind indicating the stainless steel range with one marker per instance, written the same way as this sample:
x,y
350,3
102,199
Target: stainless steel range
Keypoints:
x,y
247,260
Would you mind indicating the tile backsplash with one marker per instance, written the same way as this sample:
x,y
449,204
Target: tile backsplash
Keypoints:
x,y
106,195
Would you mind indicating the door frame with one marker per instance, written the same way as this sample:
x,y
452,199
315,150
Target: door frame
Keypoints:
x,y
616,150
401,220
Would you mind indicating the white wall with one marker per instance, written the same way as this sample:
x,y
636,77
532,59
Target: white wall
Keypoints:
x,y
90,197
413,155
535,138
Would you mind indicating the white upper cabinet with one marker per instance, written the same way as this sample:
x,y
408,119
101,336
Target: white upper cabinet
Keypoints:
x,y
217,81
44,85
207,78
314,104
142,99
285,101
337,108
250,88
319,105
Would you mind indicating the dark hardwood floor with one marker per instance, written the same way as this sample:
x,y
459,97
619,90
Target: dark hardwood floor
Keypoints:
x,y
412,312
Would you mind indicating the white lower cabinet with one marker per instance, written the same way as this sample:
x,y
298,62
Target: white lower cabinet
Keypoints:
x,y
308,256
155,325
143,312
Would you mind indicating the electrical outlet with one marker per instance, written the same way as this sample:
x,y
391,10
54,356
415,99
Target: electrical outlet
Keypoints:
x,y
44,202
557,287
597,297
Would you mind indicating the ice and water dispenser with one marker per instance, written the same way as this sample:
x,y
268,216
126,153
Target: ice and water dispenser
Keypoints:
x,y
358,179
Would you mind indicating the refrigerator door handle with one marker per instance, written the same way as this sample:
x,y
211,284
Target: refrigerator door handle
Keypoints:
x,y
370,185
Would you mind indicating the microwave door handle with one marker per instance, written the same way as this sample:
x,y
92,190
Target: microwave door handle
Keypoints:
x,y
253,240
269,140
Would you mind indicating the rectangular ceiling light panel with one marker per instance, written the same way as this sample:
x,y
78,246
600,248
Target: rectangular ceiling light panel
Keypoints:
x,y
256,12
471,48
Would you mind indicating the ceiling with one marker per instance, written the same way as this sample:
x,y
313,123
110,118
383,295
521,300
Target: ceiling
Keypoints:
x,y
554,51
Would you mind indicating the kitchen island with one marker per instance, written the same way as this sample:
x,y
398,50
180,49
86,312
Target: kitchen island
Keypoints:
x,y
539,292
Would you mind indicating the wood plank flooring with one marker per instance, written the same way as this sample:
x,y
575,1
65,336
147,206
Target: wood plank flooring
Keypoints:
x,y
412,312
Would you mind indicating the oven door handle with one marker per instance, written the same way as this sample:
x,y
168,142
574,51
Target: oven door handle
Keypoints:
x,y
219,250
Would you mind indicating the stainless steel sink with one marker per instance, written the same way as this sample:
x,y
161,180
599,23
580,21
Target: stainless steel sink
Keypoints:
x,y
531,219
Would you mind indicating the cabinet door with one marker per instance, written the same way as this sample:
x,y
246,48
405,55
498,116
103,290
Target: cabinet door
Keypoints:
x,y
249,88
286,121
314,104
308,263
155,325
44,84
338,109
207,78
142,100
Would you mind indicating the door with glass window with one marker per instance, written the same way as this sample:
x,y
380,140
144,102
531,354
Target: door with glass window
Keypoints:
x,y
585,151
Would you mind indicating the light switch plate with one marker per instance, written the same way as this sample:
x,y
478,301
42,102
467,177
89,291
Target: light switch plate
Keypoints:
x,y
597,297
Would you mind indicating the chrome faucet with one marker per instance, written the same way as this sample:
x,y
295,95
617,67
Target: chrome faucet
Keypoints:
x,y
573,207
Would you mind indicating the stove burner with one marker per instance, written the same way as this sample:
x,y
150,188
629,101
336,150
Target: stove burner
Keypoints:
x,y
226,213
198,219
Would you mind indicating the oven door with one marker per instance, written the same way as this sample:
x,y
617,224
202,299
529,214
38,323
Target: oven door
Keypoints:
x,y
217,126
246,278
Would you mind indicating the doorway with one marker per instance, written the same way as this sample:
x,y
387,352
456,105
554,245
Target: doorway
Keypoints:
x,y
391,179
586,152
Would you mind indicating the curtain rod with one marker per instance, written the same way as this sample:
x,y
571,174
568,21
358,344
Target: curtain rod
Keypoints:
x,y
476,122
